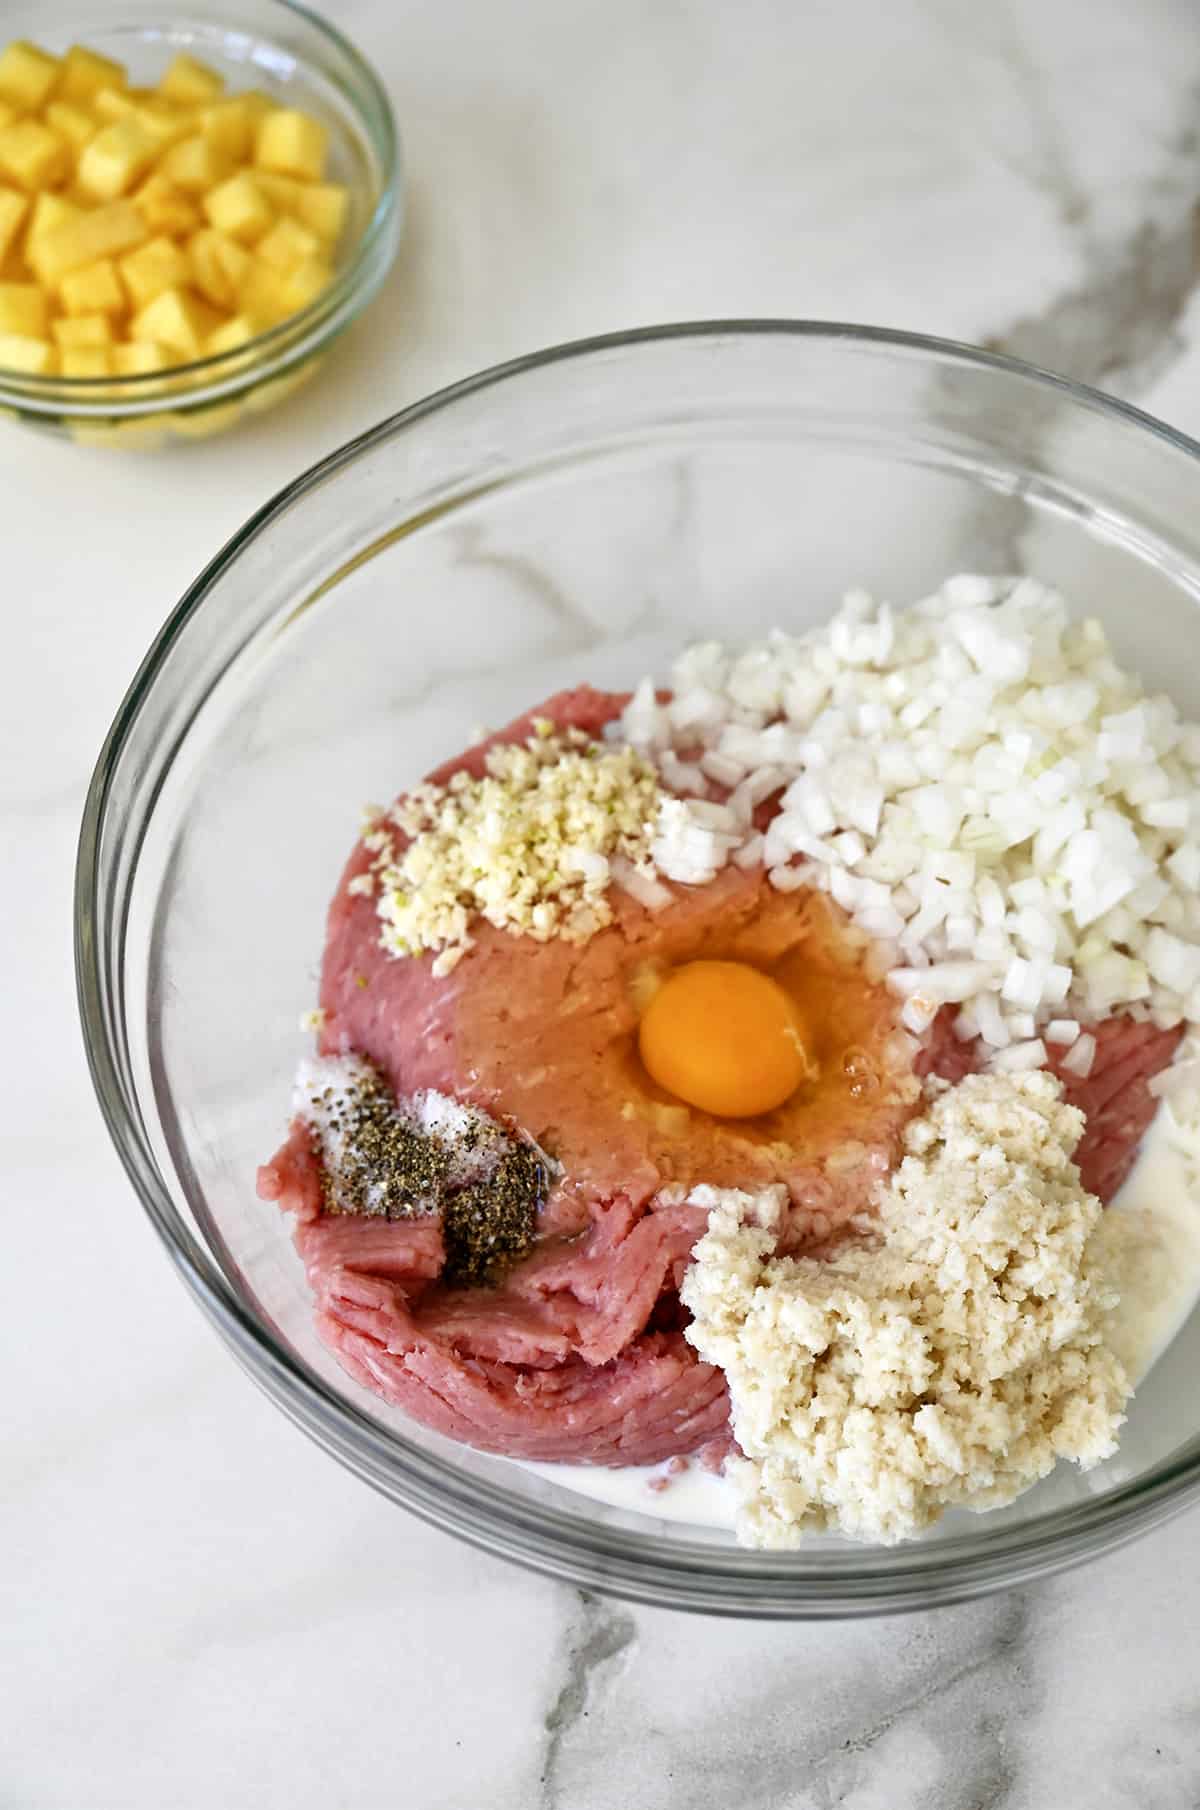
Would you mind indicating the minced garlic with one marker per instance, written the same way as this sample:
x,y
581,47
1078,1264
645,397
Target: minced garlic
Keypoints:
x,y
951,1363
529,847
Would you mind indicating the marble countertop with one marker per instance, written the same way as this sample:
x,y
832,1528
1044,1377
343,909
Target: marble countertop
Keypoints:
x,y
201,1610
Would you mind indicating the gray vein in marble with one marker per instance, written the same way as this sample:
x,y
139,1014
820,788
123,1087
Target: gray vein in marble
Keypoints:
x,y
979,1769
530,577
597,1636
1043,158
1118,327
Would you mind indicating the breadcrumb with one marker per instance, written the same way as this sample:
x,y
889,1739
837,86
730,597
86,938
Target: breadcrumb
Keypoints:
x,y
951,1362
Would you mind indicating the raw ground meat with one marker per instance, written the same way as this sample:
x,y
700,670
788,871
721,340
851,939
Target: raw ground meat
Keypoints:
x,y
1115,1098
579,1355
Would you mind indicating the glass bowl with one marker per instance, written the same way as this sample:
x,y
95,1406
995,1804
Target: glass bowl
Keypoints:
x,y
301,60
574,515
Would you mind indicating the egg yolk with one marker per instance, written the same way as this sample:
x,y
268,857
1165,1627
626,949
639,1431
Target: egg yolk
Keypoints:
x,y
724,1037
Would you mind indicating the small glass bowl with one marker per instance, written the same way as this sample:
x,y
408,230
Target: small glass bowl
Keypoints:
x,y
302,61
577,515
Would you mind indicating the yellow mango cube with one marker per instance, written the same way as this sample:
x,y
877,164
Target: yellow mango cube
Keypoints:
x,y
86,72
281,191
159,264
32,357
239,208
73,124
304,284
105,232
229,127
190,82
27,75
82,330
270,296
264,298
140,357
93,289
111,104
13,207
260,104
219,266
291,143
116,158
178,320
23,309
7,115
85,361
231,336
33,156
195,165
288,245
165,125
322,206
49,211
165,208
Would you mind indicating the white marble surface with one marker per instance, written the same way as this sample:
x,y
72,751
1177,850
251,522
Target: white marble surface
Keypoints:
x,y
199,1609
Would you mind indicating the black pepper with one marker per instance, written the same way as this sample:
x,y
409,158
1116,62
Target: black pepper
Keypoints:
x,y
379,1164
490,1224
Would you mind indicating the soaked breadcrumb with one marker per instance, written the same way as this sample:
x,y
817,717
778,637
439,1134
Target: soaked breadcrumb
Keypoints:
x,y
951,1362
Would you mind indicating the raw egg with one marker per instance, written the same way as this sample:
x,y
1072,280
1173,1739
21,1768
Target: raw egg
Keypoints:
x,y
724,1037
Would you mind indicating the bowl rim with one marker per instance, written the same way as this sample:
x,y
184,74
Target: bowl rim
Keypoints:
x,y
289,339
678,1573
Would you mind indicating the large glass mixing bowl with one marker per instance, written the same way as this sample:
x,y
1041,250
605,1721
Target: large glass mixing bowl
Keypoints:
x,y
574,515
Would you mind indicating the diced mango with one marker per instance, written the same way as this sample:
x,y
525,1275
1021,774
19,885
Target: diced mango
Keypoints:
x,y
12,211
322,206
85,361
178,320
231,336
219,266
263,296
191,82
86,72
105,232
260,104
82,330
165,125
166,208
239,207
281,191
270,296
49,211
139,358
23,309
27,75
74,124
93,289
116,158
33,156
158,265
195,165
32,357
229,127
166,224
113,103
288,245
291,143
304,284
